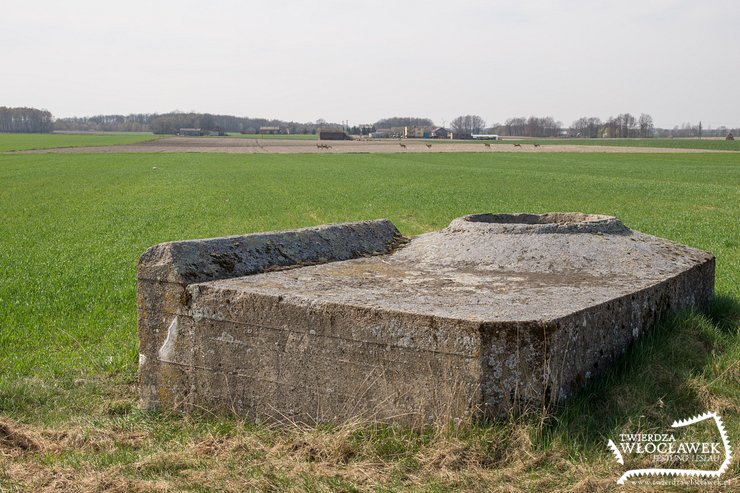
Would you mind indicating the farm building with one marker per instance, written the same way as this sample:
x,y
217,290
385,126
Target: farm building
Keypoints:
x,y
190,132
418,132
269,130
484,137
333,135
440,133
397,132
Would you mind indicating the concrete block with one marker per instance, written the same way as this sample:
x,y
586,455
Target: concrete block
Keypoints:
x,y
349,321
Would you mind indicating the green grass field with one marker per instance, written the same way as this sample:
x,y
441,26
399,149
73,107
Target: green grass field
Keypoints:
x,y
21,142
74,226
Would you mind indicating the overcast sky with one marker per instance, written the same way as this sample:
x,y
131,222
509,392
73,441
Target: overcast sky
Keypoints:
x,y
361,61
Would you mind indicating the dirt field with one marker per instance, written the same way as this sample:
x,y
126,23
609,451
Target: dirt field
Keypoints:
x,y
277,146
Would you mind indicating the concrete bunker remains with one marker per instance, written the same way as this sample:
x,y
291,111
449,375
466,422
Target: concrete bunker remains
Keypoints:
x,y
352,320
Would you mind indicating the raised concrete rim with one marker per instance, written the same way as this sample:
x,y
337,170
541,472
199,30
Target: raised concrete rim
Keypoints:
x,y
525,223
190,261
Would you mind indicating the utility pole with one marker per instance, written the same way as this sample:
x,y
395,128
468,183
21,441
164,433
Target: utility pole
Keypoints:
x,y
699,129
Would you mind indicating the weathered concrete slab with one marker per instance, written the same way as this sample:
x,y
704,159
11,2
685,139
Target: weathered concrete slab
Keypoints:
x,y
495,311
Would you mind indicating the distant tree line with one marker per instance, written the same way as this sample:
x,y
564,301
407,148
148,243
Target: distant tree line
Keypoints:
x,y
534,126
621,126
624,125
25,120
403,121
687,130
105,123
171,123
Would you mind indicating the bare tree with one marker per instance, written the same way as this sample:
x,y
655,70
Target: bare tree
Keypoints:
x,y
580,127
594,127
646,125
587,127
627,125
468,124
515,126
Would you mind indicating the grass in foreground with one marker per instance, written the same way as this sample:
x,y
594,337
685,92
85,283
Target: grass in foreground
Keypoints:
x,y
22,142
74,226
691,361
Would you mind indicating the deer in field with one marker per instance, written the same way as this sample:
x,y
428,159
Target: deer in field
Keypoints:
x,y
402,145
537,145
517,145
429,146
487,144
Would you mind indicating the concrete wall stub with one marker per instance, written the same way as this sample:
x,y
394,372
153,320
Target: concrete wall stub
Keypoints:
x,y
354,321
165,270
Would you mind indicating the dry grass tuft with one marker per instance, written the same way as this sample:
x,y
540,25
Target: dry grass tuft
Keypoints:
x,y
319,445
36,478
16,439
90,439
352,457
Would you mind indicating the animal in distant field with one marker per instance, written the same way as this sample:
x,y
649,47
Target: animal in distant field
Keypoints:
x,y
403,145
537,145
517,145
487,144
429,146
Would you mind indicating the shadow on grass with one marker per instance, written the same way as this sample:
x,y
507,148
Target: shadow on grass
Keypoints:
x,y
671,373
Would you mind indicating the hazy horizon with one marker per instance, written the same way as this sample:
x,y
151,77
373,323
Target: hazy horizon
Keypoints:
x,y
673,59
